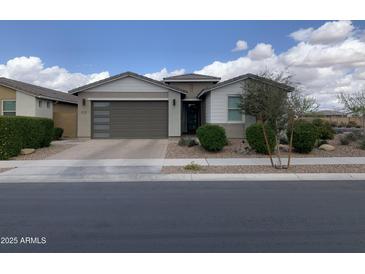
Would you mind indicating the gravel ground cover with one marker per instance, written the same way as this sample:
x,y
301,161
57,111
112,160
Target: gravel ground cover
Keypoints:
x,y
235,150
43,153
268,169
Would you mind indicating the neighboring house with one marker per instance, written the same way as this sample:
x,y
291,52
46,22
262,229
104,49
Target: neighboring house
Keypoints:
x,y
22,99
129,105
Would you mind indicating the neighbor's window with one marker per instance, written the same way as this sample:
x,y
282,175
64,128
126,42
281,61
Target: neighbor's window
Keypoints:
x,y
234,110
40,103
48,104
9,108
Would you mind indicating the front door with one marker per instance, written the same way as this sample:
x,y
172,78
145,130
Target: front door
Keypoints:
x,y
192,117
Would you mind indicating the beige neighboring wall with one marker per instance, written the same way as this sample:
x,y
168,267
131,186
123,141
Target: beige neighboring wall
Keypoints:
x,y
65,117
6,94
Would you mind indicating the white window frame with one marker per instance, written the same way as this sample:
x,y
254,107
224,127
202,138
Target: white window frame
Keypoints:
x,y
228,109
2,106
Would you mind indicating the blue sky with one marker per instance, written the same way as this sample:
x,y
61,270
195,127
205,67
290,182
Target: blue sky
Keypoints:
x,y
326,57
140,46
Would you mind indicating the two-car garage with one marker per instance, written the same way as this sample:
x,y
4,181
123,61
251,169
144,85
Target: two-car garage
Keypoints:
x,y
128,105
129,119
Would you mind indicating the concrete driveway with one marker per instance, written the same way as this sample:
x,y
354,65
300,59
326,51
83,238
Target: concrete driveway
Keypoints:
x,y
115,149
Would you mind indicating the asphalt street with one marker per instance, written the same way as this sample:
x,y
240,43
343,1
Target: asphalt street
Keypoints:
x,y
312,216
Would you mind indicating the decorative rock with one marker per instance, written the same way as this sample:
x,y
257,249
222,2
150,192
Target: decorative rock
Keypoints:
x,y
26,151
327,147
284,148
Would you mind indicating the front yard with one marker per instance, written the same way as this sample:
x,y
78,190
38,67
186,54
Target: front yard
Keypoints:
x,y
236,149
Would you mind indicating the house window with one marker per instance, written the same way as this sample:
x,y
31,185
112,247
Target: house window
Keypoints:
x,y
234,110
48,104
39,103
9,108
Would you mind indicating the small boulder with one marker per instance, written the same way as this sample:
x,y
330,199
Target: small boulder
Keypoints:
x,y
327,147
26,151
284,148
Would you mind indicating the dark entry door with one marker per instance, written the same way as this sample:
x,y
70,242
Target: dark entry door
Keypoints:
x,y
192,118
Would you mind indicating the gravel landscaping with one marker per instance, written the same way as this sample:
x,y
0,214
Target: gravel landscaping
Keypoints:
x,y
43,153
235,150
268,169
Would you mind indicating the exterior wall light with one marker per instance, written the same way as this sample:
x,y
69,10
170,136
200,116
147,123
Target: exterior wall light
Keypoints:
x,y
174,102
83,101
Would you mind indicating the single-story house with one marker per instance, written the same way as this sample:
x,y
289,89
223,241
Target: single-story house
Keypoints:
x,y
129,105
23,99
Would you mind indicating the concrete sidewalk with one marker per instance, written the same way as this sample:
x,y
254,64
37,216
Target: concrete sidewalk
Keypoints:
x,y
182,162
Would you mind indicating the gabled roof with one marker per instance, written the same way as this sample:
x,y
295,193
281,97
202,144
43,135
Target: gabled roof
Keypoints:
x,y
191,77
37,91
243,77
124,75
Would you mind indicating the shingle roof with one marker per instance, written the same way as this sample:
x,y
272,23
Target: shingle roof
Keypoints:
x,y
123,75
191,76
37,91
243,77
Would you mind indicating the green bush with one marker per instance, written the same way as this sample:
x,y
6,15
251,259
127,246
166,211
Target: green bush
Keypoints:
x,y
344,141
57,133
212,137
10,137
324,129
304,136
23,132
256,140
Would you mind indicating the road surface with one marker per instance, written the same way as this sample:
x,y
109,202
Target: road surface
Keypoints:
x,y
183,217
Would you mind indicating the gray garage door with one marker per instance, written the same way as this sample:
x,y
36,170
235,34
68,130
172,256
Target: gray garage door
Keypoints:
x,y
130,119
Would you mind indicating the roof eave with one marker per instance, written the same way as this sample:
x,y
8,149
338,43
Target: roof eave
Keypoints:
x,y
121,76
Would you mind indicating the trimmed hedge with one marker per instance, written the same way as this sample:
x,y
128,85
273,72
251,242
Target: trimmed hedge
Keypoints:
x,y
256,140
57,133
305,135
212,137
23,132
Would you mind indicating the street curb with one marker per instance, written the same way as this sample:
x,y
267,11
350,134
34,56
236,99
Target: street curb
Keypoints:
x,y
294,177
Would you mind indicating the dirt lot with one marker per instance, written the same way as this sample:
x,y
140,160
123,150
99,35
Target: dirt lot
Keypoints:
x,y
234,150
269,169
43,153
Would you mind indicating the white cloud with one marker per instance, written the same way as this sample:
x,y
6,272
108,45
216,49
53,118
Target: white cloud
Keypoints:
x,y
240,45
328,33
159,75
326,61
32,70
261,51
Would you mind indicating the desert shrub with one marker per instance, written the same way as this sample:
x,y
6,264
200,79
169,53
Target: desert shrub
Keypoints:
x,y
304,136
192,167
256,140
362,144
23,132
212,137
57,133
186,141
351,137
344,141
324,129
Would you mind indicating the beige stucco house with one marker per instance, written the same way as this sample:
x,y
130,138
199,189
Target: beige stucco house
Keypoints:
x,y
129,105
23,99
